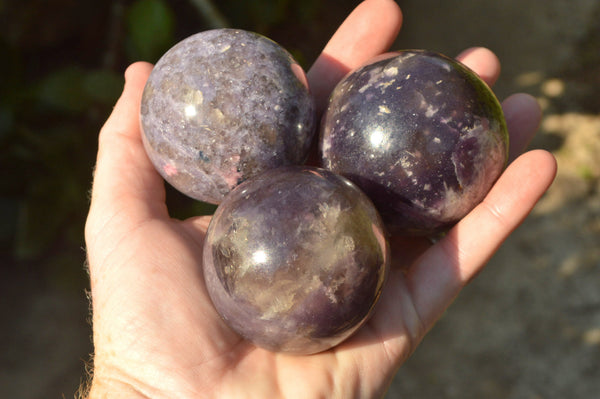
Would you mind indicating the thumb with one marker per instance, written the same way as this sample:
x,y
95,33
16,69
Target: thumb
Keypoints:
x,y
126,185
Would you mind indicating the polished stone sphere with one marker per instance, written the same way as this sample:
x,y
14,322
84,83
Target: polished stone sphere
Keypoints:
x,y
421,134
222,106
295,259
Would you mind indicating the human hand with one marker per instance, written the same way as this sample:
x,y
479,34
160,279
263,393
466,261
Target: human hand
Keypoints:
x,y
156,333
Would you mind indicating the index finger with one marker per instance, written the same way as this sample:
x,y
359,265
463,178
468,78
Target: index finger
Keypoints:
x,y
368,31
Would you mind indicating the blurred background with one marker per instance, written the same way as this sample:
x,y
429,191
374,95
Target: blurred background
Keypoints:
x,y
528,326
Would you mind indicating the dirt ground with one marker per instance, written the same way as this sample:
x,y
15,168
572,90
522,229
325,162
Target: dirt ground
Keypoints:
x,y
529,326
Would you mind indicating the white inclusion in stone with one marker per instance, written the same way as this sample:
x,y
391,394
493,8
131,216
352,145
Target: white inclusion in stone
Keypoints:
x,y
431,111
384,110
391,71
218,114
405,163
446,120
385,85
326,144
190,111
364,88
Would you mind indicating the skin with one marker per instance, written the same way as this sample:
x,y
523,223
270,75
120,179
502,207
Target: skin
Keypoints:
x,y
156,334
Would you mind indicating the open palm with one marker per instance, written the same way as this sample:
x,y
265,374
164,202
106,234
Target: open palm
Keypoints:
x,y
156,333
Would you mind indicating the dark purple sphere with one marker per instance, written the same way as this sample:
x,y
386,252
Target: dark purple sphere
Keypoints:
x,y
222,106
421,134
295,259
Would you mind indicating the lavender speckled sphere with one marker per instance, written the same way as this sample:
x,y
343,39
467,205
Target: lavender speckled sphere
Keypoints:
x,y
295,259
222,106
421,134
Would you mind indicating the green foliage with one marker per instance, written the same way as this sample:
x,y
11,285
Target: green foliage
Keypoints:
x,y
263,15
151,29
74,89
49,134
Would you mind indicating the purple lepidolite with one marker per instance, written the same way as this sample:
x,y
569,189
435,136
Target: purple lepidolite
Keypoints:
x,y
224,105
295,259
421,134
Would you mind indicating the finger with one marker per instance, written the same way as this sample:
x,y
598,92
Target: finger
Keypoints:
x,y
124,177
368,31
442,271
523,116
521,111
483,62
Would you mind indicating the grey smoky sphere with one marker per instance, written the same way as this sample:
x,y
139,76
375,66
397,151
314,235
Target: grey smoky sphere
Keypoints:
x,y
295,259
222,106
421,134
